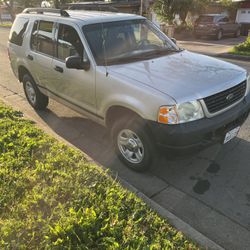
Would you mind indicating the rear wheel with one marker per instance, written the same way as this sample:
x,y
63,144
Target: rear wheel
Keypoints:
x,y
132,144
35,98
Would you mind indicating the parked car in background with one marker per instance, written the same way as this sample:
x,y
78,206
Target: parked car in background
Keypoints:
x,y
216,25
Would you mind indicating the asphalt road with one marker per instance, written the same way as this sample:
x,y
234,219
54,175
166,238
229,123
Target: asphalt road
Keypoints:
x,y
209,190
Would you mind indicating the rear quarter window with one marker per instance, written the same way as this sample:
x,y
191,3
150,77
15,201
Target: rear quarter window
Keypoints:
x,y
18,30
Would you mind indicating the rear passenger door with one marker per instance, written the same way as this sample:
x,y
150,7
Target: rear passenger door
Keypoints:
x,y
41,52
75,86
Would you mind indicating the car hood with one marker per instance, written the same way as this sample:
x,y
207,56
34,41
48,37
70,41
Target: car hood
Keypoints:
x,y
184,76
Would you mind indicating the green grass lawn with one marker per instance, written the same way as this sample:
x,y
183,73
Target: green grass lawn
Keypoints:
x,y
52,197
7,25
242,49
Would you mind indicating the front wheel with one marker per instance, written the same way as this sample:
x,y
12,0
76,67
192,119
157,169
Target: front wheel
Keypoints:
x,y
35,98
132,144
237,33
219,35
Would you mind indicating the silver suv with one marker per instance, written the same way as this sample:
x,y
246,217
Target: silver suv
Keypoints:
x,y
124,73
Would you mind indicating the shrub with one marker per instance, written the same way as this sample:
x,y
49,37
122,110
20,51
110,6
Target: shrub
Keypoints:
x,y
52,197
242,48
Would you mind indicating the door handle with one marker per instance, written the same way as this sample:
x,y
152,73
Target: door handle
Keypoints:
x,y
30,57
59,69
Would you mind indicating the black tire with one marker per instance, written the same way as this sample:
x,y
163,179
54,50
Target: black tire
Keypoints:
x,y
38,100
219,35
139,129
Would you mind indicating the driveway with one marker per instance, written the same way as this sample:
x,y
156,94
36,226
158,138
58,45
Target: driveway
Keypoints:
x,y
209,190
210,46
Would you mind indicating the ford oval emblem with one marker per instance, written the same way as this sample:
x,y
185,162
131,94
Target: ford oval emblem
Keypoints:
x,y
230,97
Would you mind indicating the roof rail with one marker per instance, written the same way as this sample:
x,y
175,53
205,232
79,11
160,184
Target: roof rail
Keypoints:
x,y
63,13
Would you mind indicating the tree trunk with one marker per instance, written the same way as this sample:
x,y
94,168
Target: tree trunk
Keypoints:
x,y
10,7
57,4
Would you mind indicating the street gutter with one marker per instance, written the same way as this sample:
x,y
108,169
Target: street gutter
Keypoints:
x,y
224,55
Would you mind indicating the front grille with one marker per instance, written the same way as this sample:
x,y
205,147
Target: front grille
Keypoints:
x,y
225,98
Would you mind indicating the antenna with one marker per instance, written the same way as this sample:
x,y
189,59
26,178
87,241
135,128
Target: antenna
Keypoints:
x,y
104,51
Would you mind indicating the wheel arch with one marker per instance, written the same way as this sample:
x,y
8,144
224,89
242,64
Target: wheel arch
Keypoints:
x,y
22,70
116,112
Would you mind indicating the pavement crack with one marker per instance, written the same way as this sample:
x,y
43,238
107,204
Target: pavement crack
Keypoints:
x,y
158,192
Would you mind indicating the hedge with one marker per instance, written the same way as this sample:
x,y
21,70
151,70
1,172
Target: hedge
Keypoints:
x,y
53,198
242,48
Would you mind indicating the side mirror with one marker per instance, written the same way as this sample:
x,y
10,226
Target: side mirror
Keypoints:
x,y
76,62
173,40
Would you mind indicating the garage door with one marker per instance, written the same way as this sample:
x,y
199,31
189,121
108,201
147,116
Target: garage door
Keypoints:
x,y
243,16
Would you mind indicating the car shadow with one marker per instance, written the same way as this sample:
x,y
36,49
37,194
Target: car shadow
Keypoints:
x,y
94,140
216,176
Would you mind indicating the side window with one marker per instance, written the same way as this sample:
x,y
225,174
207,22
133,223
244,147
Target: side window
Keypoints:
x,y
42,37
226,19
17,31
68,42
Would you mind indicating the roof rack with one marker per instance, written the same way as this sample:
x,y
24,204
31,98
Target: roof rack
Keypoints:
x,y
63,13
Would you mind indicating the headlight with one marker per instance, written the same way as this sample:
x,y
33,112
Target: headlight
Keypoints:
x,y
180,113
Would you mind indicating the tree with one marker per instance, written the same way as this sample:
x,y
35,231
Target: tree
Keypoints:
x,y
10,4
230,6
167,9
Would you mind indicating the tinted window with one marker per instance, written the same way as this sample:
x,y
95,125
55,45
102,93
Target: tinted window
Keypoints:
x,y
42,38
68,42
224,19
17,31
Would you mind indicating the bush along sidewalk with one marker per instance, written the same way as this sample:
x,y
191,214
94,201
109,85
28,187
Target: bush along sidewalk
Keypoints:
x,y
242,49
52,197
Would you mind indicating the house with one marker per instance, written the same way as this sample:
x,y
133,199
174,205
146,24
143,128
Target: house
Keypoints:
x,y
4,14
243,16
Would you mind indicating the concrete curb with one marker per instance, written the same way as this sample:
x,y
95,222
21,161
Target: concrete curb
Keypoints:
x,y
225,55
176,222
4,27
232,56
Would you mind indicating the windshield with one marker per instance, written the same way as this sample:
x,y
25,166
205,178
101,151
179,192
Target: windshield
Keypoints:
x,y
126,41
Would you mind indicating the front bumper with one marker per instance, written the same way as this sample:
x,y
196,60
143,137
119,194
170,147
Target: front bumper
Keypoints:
x,y
201,133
